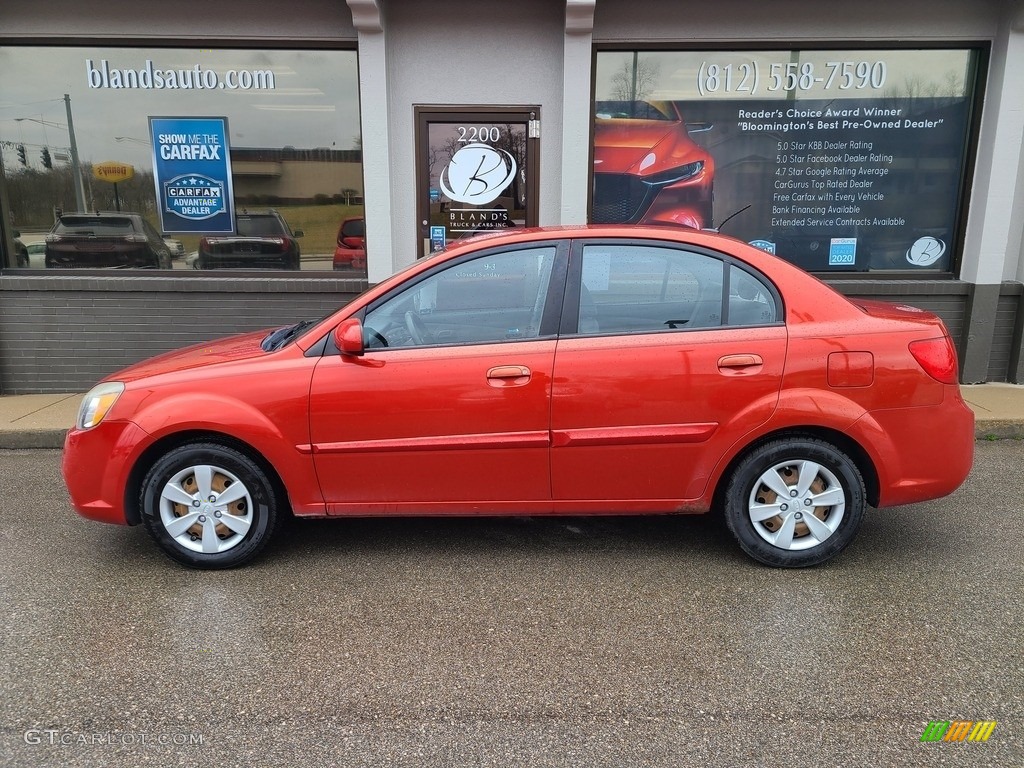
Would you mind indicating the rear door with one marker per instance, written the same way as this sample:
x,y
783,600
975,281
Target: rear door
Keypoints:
x,y
667,355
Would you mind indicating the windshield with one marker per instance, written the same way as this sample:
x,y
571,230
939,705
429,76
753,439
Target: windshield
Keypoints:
x,y
635,110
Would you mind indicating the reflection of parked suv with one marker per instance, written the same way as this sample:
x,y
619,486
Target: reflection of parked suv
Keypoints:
x,y
647,168
264,239
105,239
351,250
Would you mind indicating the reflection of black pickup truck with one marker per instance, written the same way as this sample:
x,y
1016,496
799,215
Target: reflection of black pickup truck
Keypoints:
x,y
105,240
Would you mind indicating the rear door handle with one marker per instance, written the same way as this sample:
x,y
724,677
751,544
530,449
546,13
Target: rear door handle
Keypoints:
x,y
508,376
740,363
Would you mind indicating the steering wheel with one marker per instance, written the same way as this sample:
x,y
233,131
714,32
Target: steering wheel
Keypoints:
x,y
375,334
417,329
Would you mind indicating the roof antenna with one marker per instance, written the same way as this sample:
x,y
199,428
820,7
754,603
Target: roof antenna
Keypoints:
x,y
727,218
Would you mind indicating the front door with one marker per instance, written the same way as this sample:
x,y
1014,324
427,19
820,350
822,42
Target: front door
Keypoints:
x,y
448,409
476,171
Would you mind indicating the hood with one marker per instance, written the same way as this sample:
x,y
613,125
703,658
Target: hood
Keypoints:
x,y
620,145
226,350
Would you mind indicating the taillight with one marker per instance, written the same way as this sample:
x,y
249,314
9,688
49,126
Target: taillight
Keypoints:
x,y
937,357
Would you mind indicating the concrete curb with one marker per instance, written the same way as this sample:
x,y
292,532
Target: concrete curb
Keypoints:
x,y
14,439
998,430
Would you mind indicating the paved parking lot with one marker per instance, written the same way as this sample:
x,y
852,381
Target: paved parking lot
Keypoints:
x,y
517,642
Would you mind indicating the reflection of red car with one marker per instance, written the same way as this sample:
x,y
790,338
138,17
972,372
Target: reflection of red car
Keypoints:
x,y
647,169
351,250
613,370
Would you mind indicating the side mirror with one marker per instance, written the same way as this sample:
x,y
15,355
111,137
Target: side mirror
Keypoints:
x,y
348,337
298,233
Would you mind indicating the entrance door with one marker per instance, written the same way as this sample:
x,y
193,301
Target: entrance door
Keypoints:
x,y
476,171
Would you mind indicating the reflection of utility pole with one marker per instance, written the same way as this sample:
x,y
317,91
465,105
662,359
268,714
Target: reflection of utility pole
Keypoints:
x,y
636,64
76,168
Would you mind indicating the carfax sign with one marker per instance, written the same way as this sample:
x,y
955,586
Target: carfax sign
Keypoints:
x,y
192,171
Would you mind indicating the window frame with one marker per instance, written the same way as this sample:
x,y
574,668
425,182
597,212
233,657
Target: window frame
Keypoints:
x,y
8,254
982,50
574,282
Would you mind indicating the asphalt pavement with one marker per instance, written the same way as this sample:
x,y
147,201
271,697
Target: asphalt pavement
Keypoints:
x,y
514,642
40,421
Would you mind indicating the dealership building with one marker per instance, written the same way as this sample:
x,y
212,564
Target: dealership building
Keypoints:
x,y
878,147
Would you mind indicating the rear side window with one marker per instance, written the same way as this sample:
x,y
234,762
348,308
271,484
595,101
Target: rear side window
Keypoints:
x,y
354,228
750,300
642,289
637,289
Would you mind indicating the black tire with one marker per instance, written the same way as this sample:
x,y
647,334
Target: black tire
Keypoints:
x,y
225,531
786,539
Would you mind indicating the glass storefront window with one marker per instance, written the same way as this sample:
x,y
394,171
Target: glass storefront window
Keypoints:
x,y
236,159
836,160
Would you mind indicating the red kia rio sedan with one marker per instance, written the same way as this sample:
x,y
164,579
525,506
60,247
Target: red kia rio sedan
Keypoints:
x,y
583,371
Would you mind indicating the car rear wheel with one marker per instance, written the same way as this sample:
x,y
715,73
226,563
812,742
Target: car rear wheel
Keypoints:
x,y
795,502
208,506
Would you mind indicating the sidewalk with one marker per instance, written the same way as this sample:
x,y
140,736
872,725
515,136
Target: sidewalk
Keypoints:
x,y
40,421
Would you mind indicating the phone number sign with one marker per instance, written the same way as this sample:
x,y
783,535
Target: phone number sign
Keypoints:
x,y
192,172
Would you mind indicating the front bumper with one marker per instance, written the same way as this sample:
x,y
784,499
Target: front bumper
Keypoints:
x,y
96,465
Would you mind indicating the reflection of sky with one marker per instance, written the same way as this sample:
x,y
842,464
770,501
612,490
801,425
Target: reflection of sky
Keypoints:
x,y
315,102
675,74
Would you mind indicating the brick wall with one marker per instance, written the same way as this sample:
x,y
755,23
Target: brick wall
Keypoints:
x,y
63,333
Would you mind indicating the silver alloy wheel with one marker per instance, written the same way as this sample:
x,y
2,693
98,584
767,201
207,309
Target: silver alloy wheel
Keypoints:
x,y
206,509
796,505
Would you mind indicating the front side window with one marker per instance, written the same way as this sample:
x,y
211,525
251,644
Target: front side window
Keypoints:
x,y
242,159
493,298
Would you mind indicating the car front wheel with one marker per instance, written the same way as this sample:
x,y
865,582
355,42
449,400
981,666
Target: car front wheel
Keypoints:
x,y
208,506
795,502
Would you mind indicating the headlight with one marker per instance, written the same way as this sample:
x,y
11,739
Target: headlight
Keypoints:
x,y
97,403
673,175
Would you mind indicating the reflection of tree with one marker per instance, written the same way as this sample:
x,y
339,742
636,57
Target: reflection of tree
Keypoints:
x,y
939,93
36,193
635,80
513,141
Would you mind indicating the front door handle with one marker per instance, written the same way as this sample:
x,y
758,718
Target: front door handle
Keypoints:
x,y
740,363
508,376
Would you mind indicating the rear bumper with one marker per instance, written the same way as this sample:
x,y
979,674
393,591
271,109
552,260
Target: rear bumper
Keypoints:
x,y
921,453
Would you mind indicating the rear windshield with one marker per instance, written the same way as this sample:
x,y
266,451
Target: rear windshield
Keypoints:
x,y
259,226
94,225
354,228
